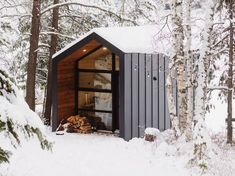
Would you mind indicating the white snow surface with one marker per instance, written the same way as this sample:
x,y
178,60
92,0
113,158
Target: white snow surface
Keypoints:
x,y
134,39
152,131
89,155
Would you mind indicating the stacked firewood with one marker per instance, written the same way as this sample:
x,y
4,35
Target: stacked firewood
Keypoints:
x,y
75,124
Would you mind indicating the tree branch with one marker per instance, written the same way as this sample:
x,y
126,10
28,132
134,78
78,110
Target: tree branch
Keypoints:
x,y
88,6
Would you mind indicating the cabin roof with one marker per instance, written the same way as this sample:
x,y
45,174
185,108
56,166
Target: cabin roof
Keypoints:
x,y
135,39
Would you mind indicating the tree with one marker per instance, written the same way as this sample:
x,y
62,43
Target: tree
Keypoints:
x,y
179,63
200,136
189,69
53,45
15,125
230,77
32,59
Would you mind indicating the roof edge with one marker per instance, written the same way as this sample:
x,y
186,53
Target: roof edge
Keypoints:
x,y
78,44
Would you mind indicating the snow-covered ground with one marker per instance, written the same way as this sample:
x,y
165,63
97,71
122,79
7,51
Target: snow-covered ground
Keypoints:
x,y
90,155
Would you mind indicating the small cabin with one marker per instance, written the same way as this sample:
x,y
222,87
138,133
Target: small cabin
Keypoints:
x,y
115,74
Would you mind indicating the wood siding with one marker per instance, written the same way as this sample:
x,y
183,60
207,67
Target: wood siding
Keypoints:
x,y
65,90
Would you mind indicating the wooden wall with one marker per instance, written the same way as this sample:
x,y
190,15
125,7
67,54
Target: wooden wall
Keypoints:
x,y
65,89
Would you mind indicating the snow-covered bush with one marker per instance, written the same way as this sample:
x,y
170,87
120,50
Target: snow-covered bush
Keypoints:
x,y
17,121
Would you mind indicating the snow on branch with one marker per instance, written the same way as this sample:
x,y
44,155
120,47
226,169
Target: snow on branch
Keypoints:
x,y
56,33
211,88
11,6
16,15
87,6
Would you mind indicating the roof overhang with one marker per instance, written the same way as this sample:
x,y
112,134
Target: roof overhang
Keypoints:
x,y
80,48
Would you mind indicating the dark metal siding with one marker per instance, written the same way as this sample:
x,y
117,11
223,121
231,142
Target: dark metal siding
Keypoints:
x,y
121,98
141,80
134,95
155,110
148,93
127,97
145,101
161,93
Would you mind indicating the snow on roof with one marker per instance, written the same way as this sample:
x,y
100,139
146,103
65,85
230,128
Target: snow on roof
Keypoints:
x,y
130,39
135,39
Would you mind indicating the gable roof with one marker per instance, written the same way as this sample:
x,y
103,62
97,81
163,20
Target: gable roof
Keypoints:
x,y
135,39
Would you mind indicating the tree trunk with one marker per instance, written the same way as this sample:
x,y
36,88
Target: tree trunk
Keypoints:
x,y
179,62
32,60
230,78
200,136
171,103
55,18
189,65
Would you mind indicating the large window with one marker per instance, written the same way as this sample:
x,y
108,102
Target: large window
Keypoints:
x,y
95,86
98,60
95,80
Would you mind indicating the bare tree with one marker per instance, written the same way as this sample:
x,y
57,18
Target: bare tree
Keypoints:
x,y
189,66
230,77
53,45
32,59
200,136
179,62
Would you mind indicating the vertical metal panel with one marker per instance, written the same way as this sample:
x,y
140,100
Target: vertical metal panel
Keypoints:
x,y
155,84
148,78
114,111
121,98
127,97
135,94
141,94
167,115
161,93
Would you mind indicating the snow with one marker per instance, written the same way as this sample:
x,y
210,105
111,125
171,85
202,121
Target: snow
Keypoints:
x,y
148,39
134,39
152,131
89,155
14,107
15,110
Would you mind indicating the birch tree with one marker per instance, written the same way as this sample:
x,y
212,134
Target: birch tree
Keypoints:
x,y
200,136
189,71
179,62
177,71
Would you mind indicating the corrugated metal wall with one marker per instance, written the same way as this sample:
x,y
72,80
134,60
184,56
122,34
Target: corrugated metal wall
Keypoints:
x,y
145,103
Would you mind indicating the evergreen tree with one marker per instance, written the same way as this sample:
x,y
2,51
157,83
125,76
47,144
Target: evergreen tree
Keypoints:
x,y
15,125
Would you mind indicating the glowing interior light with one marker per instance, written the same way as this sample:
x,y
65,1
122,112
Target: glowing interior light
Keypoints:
x,y
84,50
104,48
